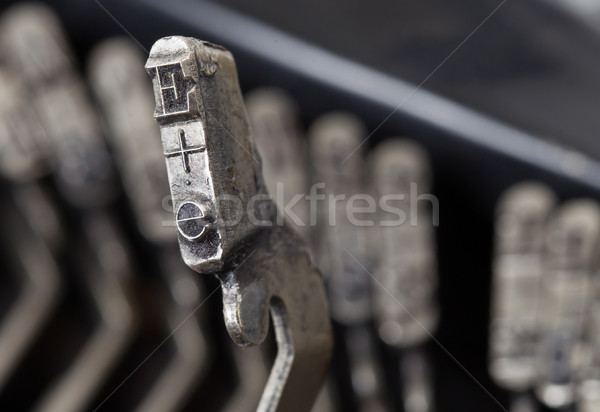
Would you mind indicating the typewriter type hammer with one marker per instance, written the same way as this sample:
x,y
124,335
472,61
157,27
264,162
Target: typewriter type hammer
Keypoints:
x,y
227,223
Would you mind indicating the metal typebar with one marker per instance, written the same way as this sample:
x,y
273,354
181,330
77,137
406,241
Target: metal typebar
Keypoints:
x,y
125,95
275,122
340,247
572,242
263,267
521,218
22,163
35,47
589,388
403,254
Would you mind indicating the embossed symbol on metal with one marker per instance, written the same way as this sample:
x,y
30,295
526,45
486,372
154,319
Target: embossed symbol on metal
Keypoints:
x,y
192,221
184,151
174,89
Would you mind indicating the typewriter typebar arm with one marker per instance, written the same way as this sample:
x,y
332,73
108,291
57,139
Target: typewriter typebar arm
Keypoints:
x,y
38,298
522,215
275,121
21,164
227,223
572,240
521,218
405,303
341,251
36,48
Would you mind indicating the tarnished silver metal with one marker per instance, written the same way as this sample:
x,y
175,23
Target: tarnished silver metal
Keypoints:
x,y
191,112
33,229
23,141
212,163
188,365
417,383
332,138
341,250
572,241
275,124
365,372
404,245
403,254
118,79
26,156
106,270
521,217
589,388
274,119
34,46
36,204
